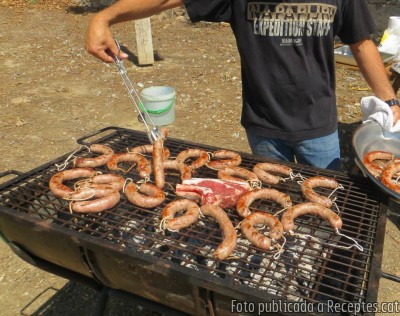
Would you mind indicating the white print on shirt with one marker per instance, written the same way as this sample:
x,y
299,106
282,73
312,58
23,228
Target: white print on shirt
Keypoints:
x,y
291,21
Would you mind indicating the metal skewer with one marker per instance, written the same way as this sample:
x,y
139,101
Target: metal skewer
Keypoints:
x,y
154,132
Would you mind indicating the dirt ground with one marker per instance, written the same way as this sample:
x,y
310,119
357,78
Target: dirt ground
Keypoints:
x,y
52,92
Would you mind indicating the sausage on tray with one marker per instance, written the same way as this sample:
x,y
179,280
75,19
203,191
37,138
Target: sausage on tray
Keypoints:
x,y
105,151
200,154
224,158
244,202
308,185
256,238
146,195
225,249
190,216
388,173
310,208
370,161
268,173
56,182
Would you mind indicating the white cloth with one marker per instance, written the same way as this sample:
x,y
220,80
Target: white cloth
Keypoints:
x,y
374,109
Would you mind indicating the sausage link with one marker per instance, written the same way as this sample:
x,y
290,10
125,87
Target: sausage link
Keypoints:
x,y
200,154
307,187
147,195
158,166
97,205
242,174
224,158
310,208
267,172
114,180
369,161
256,238
105,151
225,249
143,165
90,190
191,215
56,182
184,170
244,202
147,149
388,173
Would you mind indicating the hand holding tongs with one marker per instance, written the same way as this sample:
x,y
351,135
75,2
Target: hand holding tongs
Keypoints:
x,y
153,133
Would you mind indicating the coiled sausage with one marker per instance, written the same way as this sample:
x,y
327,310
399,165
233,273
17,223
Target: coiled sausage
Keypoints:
x,y
191,215
143,165
388,173
243,204
224,158
241,174
256,238
146,195
307,187
105,151
310,208
200,154
369,161
268,172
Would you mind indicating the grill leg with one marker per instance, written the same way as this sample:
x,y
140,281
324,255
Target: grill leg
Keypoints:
x,y
102,302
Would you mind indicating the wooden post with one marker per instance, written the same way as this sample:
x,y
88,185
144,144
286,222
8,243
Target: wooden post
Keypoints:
x,y
144,42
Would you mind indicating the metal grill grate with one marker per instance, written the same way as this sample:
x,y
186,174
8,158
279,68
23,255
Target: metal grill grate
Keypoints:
x,y
308,270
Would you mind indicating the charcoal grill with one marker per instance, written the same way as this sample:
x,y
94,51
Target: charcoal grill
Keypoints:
x,y
122,248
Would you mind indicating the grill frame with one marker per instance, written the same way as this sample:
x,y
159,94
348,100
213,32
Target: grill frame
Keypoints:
x,y
94,258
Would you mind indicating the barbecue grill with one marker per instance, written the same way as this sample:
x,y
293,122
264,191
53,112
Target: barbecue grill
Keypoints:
x,y
124,249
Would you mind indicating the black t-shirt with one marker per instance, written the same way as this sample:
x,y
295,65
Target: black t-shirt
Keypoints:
x,y
287,59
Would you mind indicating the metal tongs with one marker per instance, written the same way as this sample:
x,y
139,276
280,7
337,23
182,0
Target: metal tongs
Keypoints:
x,y
154,132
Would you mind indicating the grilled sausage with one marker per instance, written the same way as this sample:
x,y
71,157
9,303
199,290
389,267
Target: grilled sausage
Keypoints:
x,y
388,173
146,195
200,154
143,165
243,204
90,190
114,180
97,205
225,249
183,169
369,161
224,158
56,182
268,172
307,187
147,149
256,238
241,174
105,151
158,166
191,215
310,208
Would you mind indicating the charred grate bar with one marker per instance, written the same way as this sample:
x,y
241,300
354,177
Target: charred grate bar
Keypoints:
x,y
311,270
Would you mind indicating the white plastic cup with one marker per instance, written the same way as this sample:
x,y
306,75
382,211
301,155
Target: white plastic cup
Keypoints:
x,y
159,102
394,22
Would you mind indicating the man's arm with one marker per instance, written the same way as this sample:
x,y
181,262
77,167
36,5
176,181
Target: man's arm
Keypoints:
x,y
99,40
373,70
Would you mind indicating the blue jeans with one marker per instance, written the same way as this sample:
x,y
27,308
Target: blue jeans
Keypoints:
x,y
322,152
